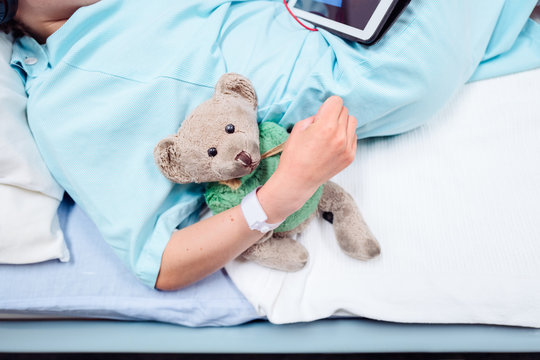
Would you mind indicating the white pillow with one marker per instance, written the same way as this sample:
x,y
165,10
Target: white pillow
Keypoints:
x,y
29,196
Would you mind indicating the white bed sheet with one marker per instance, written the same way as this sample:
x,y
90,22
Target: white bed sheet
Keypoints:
x,y
456,207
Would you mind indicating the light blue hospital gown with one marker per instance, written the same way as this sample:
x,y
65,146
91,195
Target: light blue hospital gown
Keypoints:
x,y
121,75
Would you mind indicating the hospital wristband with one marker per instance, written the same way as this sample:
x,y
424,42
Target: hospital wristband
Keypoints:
x,y
254,213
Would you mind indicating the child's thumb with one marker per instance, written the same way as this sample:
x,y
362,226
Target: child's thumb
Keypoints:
x,y
303,124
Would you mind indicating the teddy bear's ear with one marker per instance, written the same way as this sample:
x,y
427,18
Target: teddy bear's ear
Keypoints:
x,y
237,85
168,159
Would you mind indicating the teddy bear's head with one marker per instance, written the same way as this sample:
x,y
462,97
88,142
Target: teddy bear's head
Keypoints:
x,y
218,141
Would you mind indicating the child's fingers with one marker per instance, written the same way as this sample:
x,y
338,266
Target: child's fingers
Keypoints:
x,y
303,124
343,118
354,144
328,113
351,132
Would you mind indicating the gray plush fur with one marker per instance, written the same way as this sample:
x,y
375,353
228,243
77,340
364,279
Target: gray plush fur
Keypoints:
x,y
184,158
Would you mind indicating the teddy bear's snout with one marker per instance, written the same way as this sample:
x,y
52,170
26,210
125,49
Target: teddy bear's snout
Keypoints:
x,y
244,158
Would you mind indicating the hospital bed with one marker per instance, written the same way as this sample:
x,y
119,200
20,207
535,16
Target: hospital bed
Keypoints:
x,y
39,329
189,322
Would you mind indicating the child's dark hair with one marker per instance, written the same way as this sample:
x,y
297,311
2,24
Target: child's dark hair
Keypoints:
x,y
14,28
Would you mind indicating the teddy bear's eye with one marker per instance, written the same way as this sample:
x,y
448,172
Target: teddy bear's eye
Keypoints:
x,y
229,129
212,152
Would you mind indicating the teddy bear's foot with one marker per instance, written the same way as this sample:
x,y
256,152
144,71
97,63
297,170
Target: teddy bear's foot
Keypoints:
x,y
283,254
352,233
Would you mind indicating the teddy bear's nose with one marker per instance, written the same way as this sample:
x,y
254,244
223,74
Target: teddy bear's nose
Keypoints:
x,y
244,158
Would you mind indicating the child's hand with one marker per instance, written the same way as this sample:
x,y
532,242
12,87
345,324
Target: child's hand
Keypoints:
x,y
318,148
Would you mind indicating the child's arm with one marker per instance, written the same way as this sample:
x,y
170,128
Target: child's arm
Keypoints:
x,y
317,149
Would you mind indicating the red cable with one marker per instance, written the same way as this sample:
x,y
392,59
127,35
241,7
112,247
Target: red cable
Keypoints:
x,y
295,18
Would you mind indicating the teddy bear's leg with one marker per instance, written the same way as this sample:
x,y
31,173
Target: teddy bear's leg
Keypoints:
x,y
352,233
280,253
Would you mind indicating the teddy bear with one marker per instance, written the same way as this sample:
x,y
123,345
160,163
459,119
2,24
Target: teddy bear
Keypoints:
x,y
221,144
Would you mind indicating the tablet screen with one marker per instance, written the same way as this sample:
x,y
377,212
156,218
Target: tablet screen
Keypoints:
x,y
355,13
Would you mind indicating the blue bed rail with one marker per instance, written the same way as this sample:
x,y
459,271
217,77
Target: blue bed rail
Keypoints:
x,y
325,336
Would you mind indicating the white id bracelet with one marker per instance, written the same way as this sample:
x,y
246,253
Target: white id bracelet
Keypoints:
x,y
254,213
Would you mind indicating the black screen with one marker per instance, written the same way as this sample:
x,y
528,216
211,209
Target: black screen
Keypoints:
x,y
355,13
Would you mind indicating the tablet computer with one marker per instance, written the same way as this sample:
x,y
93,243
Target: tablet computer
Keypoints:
x,y
364,21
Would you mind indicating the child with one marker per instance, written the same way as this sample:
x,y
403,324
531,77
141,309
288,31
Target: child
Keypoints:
x,y
106,82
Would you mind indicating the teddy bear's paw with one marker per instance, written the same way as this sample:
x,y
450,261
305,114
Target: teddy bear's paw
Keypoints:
x,y
283,254
359,244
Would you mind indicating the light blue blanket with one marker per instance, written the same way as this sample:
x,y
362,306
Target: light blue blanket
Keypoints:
x,y
121,75
95,284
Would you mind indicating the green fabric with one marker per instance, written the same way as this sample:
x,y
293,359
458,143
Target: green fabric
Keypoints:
x,y
220,197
